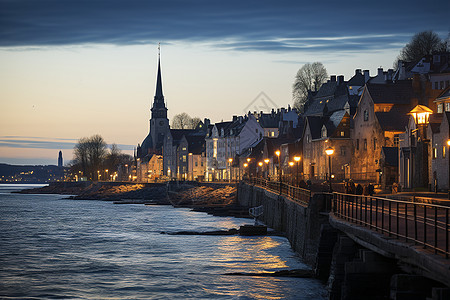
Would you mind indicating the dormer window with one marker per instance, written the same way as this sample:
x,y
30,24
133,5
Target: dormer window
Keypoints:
x,y
324,131
366,115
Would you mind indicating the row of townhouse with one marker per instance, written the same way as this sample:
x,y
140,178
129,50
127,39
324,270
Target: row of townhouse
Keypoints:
x,y
365,120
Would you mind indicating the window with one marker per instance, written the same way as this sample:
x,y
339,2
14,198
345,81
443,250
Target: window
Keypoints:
x,y
374,143
396,140
201,164
357,144
447,106
366,115
184,149
434,153
342,133
436,85
324,132
440,108
342,150
365,144
442,85
196,164
443,152
184,158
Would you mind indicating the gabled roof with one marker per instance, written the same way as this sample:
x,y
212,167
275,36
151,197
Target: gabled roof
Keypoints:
x,y
400,92
357,80
196,143
394,120
315,126
444,96
269,120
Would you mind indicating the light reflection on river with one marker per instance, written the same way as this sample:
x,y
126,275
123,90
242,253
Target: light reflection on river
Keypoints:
x,y
57,248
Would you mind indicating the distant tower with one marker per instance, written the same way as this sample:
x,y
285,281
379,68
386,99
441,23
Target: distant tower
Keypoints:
x,y
60,160
159,123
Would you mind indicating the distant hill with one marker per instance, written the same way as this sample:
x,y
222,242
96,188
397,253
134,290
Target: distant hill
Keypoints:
x,y
30,174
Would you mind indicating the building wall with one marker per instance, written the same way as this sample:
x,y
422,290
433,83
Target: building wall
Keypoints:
x,y
368,138
440,161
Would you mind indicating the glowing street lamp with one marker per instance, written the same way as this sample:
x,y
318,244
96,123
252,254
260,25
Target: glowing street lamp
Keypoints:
x,y
421,114
448,153
260,164
329,151
297,160
230,160
277,153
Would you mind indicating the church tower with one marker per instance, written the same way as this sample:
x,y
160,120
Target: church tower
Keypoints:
x,y
159,123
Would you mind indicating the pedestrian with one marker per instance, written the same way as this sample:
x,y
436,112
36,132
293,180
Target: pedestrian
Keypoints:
x,y
359,190
352,187
371,189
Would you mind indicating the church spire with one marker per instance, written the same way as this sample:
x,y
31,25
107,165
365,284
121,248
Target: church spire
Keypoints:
x,y
159,97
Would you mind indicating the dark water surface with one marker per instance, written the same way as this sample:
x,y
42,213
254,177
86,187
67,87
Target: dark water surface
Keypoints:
x,y
54,248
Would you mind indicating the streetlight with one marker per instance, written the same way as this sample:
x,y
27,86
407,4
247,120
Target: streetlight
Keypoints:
x,y
291,164
329,151
230,160
260,164
297,160
279,168
448,154
267,166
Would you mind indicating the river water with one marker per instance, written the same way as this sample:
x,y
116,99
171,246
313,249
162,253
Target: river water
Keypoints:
x,y
56,248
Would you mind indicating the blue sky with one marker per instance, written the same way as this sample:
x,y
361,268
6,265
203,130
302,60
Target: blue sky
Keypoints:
x,y
76,68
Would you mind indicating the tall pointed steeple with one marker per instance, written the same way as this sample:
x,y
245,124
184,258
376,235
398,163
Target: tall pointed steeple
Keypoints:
x,y
159,97
159,124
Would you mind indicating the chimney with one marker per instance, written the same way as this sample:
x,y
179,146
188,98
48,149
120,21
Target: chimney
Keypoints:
x,y
333,78
235,118
366,75
402,70
357,71
207,122
380,72
390,74
340,79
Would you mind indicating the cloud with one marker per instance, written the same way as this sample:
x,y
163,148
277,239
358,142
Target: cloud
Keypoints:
x,y
236,25
44,143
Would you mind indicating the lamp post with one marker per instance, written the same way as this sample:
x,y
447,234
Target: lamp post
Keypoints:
x,y
260,164
230,160
448,155
291,164
277,153
267,166
249,170
421,115
297,160
329,151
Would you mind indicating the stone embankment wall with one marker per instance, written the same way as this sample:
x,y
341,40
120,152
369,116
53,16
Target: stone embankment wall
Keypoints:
x,y
351,270
301,223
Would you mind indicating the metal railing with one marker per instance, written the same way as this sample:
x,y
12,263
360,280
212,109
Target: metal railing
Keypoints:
x,y
421,223
297,194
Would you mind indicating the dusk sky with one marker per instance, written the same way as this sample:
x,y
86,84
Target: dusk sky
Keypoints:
x,y
71,69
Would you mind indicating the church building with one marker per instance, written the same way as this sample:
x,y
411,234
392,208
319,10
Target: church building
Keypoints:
x,y
148,156
159,123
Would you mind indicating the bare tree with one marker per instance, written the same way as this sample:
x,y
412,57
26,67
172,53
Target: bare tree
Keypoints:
x,y
310,77
421,44
89,154
184,121
194,122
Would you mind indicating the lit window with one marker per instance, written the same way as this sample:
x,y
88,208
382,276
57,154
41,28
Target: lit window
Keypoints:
x,y
443,152
342,133
434,153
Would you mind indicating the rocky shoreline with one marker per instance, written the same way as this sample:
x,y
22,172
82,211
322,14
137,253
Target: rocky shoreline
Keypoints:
x,y
215,199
